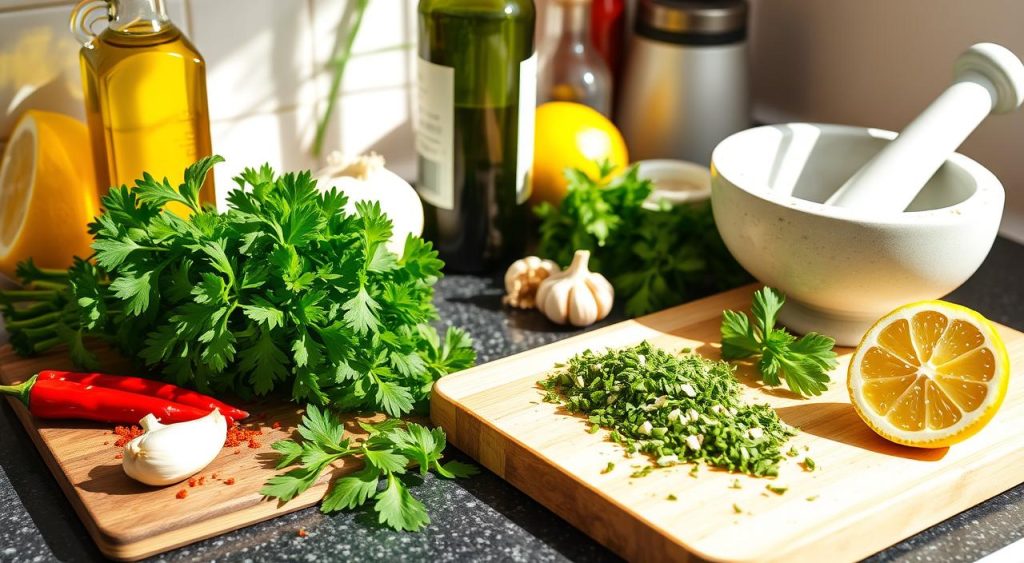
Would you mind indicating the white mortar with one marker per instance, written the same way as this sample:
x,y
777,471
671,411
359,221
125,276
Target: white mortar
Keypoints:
x,y
842,269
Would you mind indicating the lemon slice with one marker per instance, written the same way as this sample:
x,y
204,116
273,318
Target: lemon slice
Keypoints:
x,y
929,374
48,192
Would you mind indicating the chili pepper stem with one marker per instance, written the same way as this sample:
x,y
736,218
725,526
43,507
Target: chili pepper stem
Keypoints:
x,y
21,390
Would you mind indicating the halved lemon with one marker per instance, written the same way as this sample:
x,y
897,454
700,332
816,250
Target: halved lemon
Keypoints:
x,y
929,374
48,192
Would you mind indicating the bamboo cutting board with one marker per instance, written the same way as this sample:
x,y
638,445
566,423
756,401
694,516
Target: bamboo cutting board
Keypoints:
x,y
129,520
865,495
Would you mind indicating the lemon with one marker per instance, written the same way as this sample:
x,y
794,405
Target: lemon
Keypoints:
x,y
47,192
571,135
929,374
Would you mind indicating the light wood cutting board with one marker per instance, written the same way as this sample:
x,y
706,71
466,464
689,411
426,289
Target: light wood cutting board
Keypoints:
x,y
129,520
865,495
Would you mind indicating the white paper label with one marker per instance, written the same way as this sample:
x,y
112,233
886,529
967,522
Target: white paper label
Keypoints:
x,y
435,133
527,114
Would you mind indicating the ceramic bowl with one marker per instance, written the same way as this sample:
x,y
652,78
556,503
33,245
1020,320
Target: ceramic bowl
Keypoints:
x,y
675,181
842,269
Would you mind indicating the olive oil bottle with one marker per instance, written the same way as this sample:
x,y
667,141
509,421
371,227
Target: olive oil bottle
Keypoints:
x,y
477,88
145,95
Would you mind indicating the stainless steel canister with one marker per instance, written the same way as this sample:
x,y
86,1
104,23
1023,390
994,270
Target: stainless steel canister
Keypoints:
x,y
685,82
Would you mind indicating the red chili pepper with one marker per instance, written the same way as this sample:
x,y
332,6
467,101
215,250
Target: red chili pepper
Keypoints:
x,y
67,399
149,387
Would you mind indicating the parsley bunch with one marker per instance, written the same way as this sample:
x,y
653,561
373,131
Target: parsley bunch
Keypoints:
x,y
285,292
655,258
677,409
804,363
390,449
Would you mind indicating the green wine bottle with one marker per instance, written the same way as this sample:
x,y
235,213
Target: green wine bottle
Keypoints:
x,y
477,92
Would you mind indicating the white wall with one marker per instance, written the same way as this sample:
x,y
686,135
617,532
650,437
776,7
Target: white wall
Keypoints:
x,y
878,63
267,76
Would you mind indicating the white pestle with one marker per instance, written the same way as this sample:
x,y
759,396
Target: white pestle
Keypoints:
x,y
988,78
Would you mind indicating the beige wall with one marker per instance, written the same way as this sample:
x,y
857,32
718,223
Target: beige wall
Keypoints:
x,y
878,63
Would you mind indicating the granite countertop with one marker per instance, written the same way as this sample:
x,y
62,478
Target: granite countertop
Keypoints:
x,y
478,519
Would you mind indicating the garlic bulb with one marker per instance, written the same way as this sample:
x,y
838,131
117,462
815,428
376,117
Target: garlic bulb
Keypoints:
x,y
577,295
169,453
364,178
523,278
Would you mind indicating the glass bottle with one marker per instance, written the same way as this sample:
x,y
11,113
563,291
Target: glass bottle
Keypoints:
x,y
145,94
608,32
477,92
577,73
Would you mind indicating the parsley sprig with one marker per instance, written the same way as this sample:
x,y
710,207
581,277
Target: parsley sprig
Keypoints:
x,y
284,292
804,363
655,258
390,450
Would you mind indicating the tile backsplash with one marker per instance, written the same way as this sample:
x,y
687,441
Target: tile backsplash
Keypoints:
x,y
267,75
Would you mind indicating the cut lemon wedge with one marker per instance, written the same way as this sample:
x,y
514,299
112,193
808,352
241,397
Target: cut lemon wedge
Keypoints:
x,y
929,374
48,192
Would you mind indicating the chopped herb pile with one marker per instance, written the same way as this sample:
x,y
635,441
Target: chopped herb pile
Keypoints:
x,y
390,450
286,291
676,409
804,363
655,258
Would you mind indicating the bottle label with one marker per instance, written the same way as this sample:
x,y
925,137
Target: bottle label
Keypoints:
x,y
527,114
435,133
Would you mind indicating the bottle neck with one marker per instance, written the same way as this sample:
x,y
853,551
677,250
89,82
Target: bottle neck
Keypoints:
x,y
138,16
575,22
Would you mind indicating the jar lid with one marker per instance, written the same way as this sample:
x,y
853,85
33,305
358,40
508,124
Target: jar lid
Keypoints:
x,y
693,22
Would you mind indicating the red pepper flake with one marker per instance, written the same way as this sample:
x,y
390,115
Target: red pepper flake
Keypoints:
x,y
182,493
191,481
118,456
202,480
238,436
126,434
303,533
238,452
214,476
275,425
107,443
229,481
254,443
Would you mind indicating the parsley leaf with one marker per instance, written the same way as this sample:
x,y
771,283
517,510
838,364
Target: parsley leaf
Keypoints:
x,y
804,363
389,449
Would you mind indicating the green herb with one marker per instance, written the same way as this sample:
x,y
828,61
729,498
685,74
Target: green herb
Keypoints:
x,y
809,464
686,409
735,484
736,508
594,428
644,472
286,292
653,258
608,468
672,497
390,450
776,489
812,498
793,452
694,470
804,362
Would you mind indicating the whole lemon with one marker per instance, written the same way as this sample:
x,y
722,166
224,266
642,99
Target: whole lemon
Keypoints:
x,y
571,135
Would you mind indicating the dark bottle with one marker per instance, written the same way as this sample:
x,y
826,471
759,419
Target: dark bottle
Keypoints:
x,y
477,91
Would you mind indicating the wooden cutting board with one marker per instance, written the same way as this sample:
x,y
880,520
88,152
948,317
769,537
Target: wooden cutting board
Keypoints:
x,y
129,520
865,495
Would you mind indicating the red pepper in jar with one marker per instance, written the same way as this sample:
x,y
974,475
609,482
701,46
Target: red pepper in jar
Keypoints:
x,y
150,387
54,398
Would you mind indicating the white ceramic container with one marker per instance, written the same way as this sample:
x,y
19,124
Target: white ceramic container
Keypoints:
x,y
675,182
842,269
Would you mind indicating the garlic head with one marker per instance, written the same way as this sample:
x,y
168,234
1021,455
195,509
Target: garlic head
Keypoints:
x,y
523,278
577,295
168,453
364,178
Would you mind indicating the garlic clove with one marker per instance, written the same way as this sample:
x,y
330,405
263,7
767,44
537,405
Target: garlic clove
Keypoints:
x,y
604,294
168,453
583,307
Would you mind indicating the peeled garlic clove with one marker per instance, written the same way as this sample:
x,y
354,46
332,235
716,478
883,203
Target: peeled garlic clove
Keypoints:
x,y
169,453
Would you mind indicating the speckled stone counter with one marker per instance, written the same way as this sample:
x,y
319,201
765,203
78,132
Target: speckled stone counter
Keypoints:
x,y
478,519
